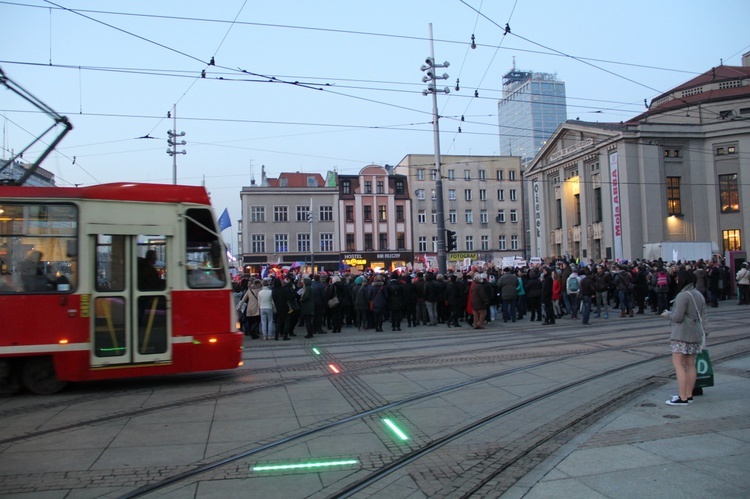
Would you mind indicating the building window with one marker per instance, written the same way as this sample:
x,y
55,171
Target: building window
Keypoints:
x,y
326,241
467,174
382,241
379,187
672,153
400,189
511,174
501,242
467,194
400,241
577,201
513,195
420,173
483,194
434,216
350,242
485,243
303,243
368,242
422,243
382,213
558,213
434,243
731,239
257,214
674,206
280,243
368,187
400,213
729,193
452,194
514,242
368,213
469,243
258,243
482,174
280,214
483,217
421,217
302,212
514,216
349,212
452,216
420,194
499,174
346,187
325,214
469,217
433,175
598,211
500,216
501,194
451,174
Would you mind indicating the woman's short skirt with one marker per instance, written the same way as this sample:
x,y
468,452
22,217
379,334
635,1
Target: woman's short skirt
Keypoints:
x,y
685,348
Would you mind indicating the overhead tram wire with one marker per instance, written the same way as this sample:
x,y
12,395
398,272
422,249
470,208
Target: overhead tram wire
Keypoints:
x,y
352,32
169,73
489,65
563,54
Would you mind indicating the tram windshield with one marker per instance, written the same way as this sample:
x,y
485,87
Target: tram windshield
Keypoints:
x,y
38,248
204,248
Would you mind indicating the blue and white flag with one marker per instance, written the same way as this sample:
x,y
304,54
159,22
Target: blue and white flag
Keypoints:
x,y
264,272
224,221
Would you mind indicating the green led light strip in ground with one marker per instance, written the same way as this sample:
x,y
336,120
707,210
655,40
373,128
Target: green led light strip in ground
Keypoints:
x,y
316,351
400,434
318,464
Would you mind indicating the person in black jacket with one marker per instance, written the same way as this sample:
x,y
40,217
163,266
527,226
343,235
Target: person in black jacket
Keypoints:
x,y
395,300
549,311
534,295
280,302
454,296
588,293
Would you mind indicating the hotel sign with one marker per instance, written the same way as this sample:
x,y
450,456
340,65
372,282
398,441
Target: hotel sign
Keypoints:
x,y
572,149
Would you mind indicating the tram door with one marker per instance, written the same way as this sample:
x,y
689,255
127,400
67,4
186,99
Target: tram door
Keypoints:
x,y
130,302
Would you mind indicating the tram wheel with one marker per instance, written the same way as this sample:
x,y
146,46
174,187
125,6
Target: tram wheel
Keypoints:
x,y
38,376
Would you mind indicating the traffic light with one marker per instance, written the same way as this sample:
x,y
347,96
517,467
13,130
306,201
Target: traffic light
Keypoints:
x,y
309,216
451,240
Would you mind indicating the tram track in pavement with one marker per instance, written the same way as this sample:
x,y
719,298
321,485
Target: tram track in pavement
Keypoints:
x,y
486,346
231,377
637,343
501,462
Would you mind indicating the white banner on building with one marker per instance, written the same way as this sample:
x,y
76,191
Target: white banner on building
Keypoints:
x,y
537,217
614,175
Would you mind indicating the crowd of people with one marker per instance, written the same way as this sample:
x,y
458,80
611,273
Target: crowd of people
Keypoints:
x,y
272,308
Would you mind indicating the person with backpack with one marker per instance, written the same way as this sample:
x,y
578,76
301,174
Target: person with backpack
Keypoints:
x,y
573,289
661,280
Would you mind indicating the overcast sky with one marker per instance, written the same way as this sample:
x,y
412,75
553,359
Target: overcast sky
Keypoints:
x,y
316,86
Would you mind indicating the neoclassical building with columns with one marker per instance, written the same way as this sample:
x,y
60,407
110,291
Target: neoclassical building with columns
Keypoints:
x,y
678,172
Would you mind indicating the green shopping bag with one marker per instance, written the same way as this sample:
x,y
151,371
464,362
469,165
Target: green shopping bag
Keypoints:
x,y
704,369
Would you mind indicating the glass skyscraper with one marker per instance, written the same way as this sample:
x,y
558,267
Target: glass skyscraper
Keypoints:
x,y
532,107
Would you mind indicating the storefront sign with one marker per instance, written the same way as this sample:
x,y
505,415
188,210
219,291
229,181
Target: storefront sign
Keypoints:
x,y
457,257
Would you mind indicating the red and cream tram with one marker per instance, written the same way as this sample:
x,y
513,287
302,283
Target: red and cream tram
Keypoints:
x,y
111,281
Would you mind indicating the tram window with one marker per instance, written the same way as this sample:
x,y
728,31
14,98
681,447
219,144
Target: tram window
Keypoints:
x,y
38,248
110,263
152,263
205,268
